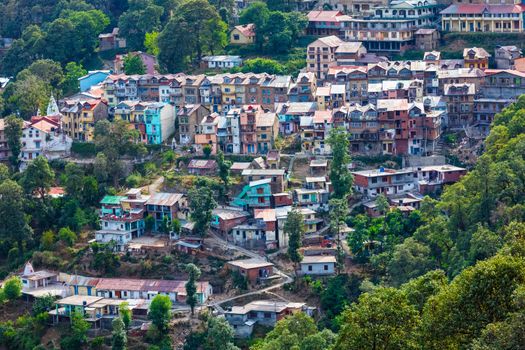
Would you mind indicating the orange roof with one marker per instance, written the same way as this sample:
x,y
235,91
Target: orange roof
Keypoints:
x,y
519,64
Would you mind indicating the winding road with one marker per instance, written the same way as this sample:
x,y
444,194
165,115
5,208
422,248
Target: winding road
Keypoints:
x,y
287,279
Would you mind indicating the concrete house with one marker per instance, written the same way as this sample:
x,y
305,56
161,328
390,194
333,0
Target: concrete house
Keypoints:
x,y
43,137
243,34
221,62
278,177
318,265
170,205
253,270
263,312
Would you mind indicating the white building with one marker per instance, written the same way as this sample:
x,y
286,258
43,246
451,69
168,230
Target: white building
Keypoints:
x,y
44,137
318,265
222,61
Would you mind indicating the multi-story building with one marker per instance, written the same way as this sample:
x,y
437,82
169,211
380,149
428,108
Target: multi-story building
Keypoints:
x,y
325,23
43,137
248,128
80,118
504,56
460,103
391,28
167,205
390,182
476,57
355,80
290,113
393,119
207,133
119,223
159,120
267,130
189,117
501,88
256,194
364,129
303,89
483,18
473,76
321,55
4,147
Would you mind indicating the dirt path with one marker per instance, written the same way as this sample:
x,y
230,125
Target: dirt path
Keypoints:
x,y
287,279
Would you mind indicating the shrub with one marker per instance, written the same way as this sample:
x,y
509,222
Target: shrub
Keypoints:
x,y
84,149
134,180
67,236
12,288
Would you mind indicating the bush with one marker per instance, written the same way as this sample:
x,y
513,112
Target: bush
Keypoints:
x,y
12,288
67,236
84,149
47,241
134,180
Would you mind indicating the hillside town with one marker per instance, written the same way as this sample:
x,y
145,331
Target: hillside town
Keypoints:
x,y
312,175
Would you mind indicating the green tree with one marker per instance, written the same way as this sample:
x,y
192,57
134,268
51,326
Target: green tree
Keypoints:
x,y
74,176
206,150
12,288
133,65
479,295
12,207
47,70
262,65
410,259
77,336
47,240
28,94
13,133
38,177
160,313
4,172
191,286
382,319
67,236
382,204
43,304
125,314
119,338
142,16
294,230
420,289
202,204
73,71
340,175
297,331
338,215
151,43
219,335
224,170
484,244
258,14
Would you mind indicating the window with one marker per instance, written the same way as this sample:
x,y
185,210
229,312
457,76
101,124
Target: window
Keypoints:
x,y
236,37
310,268
325,267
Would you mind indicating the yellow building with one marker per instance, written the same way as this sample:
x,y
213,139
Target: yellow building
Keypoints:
x,y
79,285
482,18
243,34
80,118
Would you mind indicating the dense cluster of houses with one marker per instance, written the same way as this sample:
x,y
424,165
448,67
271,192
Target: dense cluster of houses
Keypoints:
x,y
388,107
99,299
